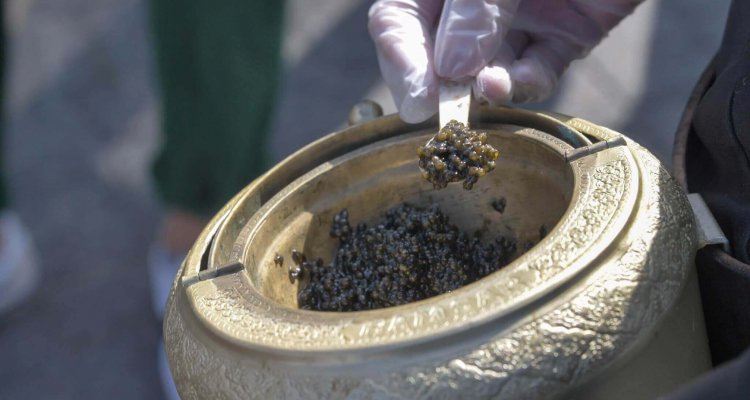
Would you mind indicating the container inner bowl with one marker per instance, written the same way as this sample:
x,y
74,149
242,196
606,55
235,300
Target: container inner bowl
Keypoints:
x,y
534,179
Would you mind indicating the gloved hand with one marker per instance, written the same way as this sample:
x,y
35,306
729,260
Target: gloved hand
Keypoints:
x,y
513,49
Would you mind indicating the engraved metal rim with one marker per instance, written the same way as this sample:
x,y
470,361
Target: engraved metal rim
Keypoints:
x,y
609,229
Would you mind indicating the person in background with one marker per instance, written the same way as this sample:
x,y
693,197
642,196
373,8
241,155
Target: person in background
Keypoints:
x,y
19,272
218,66
516,50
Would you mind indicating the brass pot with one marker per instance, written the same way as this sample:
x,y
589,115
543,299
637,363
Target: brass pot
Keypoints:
x,y
605,306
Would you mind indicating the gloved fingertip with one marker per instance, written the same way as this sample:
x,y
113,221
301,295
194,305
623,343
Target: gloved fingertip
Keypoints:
x,y
493,83
531,80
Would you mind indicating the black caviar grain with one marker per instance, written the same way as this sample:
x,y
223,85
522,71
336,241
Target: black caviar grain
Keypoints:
x,y
278,260
456,154
296,271
410,254
499,205
543,231
528,246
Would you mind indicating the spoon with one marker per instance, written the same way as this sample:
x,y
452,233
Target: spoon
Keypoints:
x,y
454,102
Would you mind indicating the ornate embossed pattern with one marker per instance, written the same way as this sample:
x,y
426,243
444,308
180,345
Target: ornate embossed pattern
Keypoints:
x,y
599,206
597,131
200,372
227,309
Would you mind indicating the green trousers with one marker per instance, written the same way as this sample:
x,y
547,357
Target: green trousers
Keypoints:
x,y
218,67
218,64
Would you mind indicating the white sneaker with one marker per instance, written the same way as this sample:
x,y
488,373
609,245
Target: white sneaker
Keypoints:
x,y
19,272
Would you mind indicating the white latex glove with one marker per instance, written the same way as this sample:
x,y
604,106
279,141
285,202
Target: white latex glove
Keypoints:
x,y
513,49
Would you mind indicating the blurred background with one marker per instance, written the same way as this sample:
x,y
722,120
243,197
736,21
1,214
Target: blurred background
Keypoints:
x,y
82,124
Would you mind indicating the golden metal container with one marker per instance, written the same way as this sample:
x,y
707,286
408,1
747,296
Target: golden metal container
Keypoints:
x,y
606,306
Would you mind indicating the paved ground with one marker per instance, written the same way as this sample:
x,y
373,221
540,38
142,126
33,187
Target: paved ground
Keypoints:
x,y
81,127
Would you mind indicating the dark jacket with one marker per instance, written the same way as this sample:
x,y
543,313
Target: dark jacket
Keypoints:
x,y
712,157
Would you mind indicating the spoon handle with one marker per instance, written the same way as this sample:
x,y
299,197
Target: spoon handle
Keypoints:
x,y
455,98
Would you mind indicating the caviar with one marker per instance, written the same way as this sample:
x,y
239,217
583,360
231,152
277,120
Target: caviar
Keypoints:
x,y
410,254
456,154
499,205
543,231
295,271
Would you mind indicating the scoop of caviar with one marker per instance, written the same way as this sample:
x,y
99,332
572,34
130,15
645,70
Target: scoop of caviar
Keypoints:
x,y
410,254
456,154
